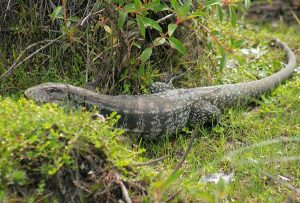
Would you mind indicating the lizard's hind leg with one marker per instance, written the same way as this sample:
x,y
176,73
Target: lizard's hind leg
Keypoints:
x,y
205,113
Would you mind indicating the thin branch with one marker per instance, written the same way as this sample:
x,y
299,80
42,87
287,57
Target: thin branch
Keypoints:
x,y
16,64
85,19
261,144
88,57
187,150
173,196
286,184
44,197
88,16
123,188
151,162
7,9
165,18
52,4
268,161
216,39
180,75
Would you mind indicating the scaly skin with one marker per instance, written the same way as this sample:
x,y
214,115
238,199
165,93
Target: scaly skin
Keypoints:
x,y
156,114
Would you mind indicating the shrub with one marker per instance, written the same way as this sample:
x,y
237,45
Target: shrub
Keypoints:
x,y
46,152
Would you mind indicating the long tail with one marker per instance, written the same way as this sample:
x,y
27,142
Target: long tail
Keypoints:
x,y
232,94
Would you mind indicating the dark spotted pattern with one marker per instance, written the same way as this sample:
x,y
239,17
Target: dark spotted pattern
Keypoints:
x,y
156,114
157,87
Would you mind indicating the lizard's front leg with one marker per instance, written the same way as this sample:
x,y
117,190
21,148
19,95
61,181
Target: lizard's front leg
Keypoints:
x,y
205,113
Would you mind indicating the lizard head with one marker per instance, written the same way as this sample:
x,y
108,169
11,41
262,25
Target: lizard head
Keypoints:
x,y
48,92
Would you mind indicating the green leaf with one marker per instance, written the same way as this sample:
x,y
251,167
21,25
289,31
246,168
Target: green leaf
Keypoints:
x,y
171,28
98,5
107,29
159,41
195,14
206,196
223,61
232,16
57,13
166,184
220,13
120,2
175,5
122,19
141,25
238,43
141,70
209,43
232,40
74,19
152,4
137,3
129,8
152,23
212,2
215,32
175,43
160,8
146,54
184,9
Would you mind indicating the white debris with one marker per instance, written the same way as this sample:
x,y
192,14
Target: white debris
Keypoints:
x,y
245,51
216,177
257,52
253,160
283,178
297,70
232,64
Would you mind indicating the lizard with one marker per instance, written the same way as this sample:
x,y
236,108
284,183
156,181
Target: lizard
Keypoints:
x,y
168,109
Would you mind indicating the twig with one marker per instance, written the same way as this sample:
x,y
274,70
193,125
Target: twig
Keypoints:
x,y
165,18
51,4
44,197
88,57
82,187
154,161
187,150
16,64
216,39
77,174
173,196
85,19
261,144
178,76
123,188
286,184
88,16
7,8
267,161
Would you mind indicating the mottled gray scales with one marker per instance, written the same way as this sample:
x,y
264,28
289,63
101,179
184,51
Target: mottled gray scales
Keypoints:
x,y
169,109
203,111
157,87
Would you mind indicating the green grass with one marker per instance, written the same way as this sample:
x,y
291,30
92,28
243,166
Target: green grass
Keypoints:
x,y
277,117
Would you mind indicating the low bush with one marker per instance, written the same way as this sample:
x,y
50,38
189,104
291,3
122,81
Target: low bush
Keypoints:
x,y
46,152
